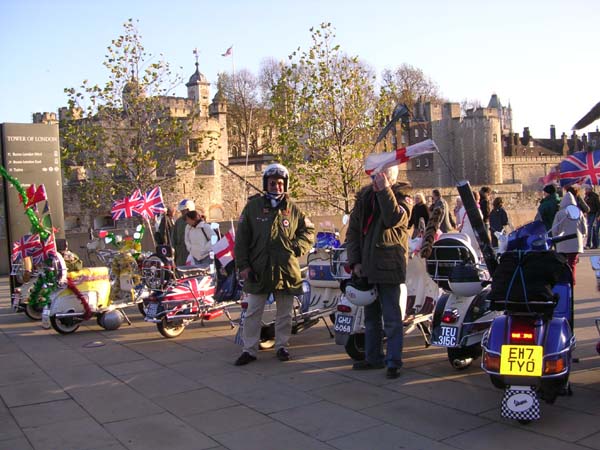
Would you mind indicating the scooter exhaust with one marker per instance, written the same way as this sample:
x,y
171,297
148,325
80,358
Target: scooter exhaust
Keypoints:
x,y
461,363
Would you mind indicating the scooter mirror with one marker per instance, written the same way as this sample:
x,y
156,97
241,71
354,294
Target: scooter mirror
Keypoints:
x,y
573,212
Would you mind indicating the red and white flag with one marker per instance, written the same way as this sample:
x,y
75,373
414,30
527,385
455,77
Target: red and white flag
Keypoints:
x,y
223,249
554,174
377,162
228,52
39,195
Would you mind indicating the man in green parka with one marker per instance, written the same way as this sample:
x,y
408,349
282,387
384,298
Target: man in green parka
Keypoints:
x,y
548,206
272,233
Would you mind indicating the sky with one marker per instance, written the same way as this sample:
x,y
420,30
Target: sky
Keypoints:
x,y
539,56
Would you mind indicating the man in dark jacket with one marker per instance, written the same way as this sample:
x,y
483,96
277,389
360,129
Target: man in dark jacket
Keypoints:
x,y
377,243
548,206
272,233
593,201
165,229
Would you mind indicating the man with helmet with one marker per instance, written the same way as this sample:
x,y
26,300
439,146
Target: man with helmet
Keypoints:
x,y
272,233
178,234
377,243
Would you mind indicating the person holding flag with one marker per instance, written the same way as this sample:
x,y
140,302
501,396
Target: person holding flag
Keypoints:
x,y
377,244
272,234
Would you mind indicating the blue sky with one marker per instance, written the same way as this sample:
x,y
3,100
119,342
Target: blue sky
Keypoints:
x,y
541,56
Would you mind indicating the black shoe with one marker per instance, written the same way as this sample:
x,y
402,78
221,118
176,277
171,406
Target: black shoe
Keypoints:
x,y
392,373
366,365
244,359
282,354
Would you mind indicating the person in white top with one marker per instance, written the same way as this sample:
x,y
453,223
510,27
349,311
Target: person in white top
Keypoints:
x,y
197,238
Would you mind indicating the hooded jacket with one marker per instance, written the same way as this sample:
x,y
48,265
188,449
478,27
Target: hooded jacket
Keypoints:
x,y
269,240
563,224
377,236
547,209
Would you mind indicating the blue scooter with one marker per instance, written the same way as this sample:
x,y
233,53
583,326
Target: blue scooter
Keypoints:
x,y
527,351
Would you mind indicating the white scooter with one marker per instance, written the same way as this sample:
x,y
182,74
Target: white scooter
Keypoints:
x,y
417,301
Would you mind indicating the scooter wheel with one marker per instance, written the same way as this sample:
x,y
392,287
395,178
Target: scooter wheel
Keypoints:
x,y
355,346
142,308
34,312
170,329
64,325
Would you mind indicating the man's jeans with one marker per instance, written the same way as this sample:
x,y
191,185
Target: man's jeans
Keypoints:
x,y
592,236
388,304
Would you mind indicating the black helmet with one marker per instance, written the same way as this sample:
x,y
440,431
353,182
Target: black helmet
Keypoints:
x,y
276,170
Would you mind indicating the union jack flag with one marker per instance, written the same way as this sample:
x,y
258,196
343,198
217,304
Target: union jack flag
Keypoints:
x,y
26,246
124,208
199,288
45,250
581,168
150,204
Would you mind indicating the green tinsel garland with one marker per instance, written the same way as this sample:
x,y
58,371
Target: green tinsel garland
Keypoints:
x,y
40,292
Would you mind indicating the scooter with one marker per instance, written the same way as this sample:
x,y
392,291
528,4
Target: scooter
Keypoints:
x,y
181,294
527,351
417,300
320,296
595,260
91,293
462,314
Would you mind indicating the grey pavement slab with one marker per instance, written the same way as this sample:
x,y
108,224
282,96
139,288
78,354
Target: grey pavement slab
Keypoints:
x,y
158,383
223,420
20,443
48,413
324,420
159,432
419,416
31,393
387,437
269,436
81,434
356,395
194,402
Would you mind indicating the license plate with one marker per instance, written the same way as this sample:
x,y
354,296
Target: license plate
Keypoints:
x,y
524,360
446,337
151,309
343,324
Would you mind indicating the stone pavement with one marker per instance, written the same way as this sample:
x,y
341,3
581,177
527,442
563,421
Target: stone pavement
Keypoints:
x,y
133,389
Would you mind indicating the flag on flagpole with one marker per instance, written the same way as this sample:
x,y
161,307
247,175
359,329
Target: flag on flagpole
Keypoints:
x,y
580,167
228,52
150,204
224,248
377,162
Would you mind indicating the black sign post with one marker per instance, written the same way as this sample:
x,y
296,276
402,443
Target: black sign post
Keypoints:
x,y
31,154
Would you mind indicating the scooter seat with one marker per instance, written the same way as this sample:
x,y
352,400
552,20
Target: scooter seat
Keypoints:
x,y
192,271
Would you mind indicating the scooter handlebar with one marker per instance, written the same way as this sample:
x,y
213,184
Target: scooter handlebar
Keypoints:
x,y
566,237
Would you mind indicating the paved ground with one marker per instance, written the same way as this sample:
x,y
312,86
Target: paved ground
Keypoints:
x,y
133,389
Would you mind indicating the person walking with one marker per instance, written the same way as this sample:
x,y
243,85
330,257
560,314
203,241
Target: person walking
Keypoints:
x,y
485,205
439,219
548,206
272,234
498,219
593,201
165,228
197,238
562,224
419,211
377,245
178,233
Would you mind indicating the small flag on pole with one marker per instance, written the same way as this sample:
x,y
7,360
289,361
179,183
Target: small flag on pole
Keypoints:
x,y
377,162
228,52
223,248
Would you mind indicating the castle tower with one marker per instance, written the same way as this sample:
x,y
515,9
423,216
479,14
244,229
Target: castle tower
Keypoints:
x,y
198,89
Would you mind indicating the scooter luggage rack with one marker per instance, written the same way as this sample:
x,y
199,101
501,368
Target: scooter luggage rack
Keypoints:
x,y
446,254
338,260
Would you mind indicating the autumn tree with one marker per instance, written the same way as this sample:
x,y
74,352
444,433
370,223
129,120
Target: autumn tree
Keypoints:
x,y
323,106
122,135
249,127
407,84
